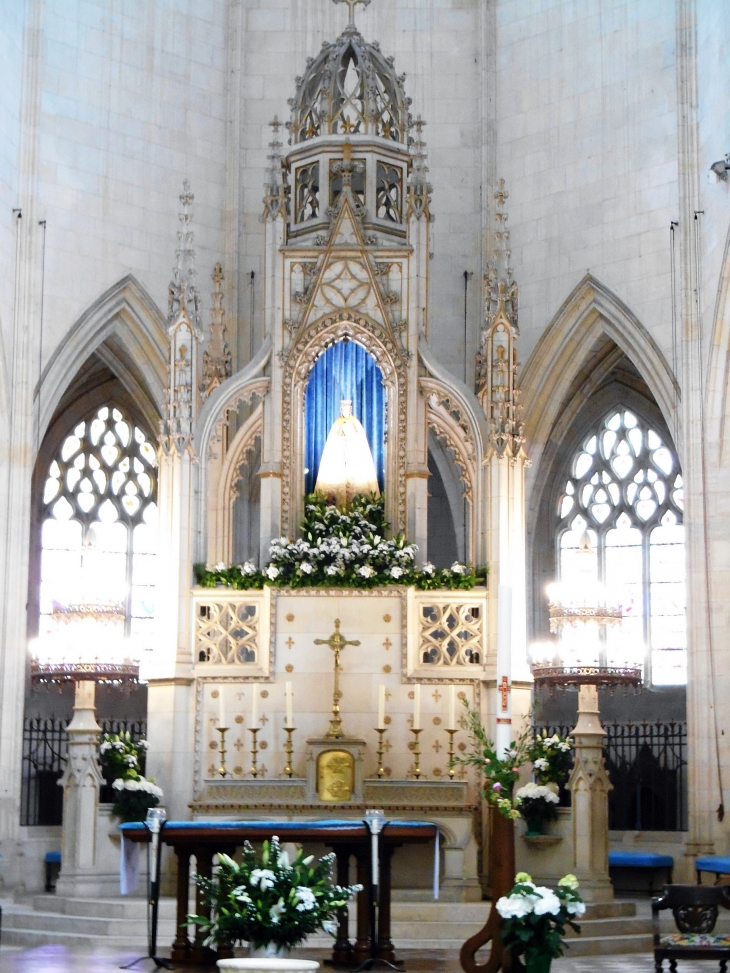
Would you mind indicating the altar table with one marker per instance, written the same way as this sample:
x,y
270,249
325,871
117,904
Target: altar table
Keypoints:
x,y
204,839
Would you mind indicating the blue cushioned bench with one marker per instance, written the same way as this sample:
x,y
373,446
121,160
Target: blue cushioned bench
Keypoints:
x,y
53,867
717,864
645,860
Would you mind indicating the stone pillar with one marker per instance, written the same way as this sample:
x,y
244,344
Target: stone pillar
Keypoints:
x,y
589,785
81,782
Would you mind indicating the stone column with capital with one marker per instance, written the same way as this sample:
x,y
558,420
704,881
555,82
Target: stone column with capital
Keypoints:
x,y
81,782
589,785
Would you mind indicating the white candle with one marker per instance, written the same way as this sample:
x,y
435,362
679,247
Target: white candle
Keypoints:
x,y
255,709
221,708
452,708
417,706
381,708
289,705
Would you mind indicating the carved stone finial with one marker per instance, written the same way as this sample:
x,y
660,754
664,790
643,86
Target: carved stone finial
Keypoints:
x,y
275,190
497,358
419,188
217,356
183,289
351,5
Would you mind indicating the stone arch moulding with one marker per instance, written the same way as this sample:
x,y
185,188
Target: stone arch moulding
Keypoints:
x,y
211,440
454,414
315,339
590,311
137,353
220,523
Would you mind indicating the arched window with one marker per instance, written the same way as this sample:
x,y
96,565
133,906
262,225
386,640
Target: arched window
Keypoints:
x,y
99,540
625,490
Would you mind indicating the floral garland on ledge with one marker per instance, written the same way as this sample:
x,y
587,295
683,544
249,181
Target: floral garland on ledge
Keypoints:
x,y
341,547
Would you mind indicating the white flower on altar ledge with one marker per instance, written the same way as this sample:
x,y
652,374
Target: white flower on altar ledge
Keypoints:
x,y
365,570
306,567
428,568
248,567
396,572
457,568
220,566
272,572
332,569
541,764
535,792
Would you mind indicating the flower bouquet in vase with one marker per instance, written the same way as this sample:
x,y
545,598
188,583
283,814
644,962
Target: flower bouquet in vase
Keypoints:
x,y
537,804
534,919
121,758
270,903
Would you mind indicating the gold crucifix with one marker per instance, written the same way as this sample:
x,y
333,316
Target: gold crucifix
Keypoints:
x,y
336,642
352,4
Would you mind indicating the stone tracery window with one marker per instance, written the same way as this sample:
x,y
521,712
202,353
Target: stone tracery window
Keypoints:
x,y
389,193
99,539
307,193
625,490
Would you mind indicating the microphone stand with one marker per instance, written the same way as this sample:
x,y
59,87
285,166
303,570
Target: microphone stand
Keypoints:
x,y
375,821
155,825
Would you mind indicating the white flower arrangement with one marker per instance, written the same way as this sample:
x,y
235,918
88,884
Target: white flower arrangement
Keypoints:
x,y
534,916
536,792
141,784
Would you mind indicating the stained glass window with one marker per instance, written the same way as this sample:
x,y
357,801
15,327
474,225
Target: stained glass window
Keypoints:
x,y
625,490
99,540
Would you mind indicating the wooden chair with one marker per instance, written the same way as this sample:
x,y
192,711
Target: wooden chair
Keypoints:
x,y
695,909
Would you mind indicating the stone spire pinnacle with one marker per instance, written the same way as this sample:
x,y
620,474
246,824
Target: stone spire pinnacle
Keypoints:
x,y
497,358
275,191
183,290
217,356
419,188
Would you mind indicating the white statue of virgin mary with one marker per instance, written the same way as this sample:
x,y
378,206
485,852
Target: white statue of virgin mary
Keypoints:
x,y
347,466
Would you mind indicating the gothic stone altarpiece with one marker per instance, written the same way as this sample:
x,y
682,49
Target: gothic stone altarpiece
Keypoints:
x,y
347,218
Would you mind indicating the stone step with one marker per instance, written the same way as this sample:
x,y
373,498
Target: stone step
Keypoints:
x,y
31,938
117,908
82,925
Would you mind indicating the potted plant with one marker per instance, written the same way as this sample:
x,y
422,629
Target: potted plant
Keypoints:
x,y
270,903
537,804
552,757
534,919
121,758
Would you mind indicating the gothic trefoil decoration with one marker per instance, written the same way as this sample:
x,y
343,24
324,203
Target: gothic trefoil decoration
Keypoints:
x,y
183,326
497,358
217,356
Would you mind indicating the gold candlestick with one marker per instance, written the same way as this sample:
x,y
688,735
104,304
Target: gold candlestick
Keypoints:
x,y
222,772
288,747
253,730
416,755
381,749
451,752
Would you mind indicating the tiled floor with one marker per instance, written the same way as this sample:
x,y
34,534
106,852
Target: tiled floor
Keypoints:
x,y
59,959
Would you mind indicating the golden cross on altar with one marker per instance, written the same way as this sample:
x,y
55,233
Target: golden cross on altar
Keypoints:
x,y
336,642
504,690
352,4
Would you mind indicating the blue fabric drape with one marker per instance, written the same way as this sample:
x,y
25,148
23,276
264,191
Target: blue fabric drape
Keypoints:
x,y
344,371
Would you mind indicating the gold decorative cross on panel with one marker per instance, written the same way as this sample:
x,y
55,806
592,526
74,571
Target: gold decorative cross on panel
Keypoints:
x,y
336,642
352,4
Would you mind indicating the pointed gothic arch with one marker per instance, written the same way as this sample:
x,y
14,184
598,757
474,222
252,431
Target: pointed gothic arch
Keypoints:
x,y
590,313
126,330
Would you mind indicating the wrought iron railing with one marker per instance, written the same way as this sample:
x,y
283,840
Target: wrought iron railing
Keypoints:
x,y
647,764
45,744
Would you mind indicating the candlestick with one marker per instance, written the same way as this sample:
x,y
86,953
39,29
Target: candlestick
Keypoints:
x,y
221,709
416,753
222,772
452,707
255,708
381,707
451,733
381,731
417,706
253,730
288,747
289,707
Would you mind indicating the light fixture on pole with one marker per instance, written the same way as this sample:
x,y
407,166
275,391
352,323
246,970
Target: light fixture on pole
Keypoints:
x,y
580,613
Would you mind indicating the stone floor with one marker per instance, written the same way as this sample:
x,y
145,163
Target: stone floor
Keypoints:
x,y
59,959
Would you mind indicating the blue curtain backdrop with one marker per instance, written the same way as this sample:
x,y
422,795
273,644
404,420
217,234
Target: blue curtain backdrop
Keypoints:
x,y
344,371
